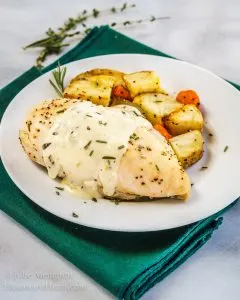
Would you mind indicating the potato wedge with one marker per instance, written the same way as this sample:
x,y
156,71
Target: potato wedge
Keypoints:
x,y
94,88
187,118
142,82
156,106
188,147
118,76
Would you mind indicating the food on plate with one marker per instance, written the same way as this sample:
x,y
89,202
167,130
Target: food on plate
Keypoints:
x,y
156,106
92,147
142,82
163,131
38,122
188,147
96,88
188,97
118,76
117,136
121,92
187,118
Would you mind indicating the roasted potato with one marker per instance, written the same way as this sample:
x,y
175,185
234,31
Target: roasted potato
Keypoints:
x,y
96,88
187,118
188,147
142,82
118,76
156,106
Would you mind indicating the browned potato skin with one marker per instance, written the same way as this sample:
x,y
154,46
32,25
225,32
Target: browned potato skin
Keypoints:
x,y
189,117
118,76
72,90
96,89
188,147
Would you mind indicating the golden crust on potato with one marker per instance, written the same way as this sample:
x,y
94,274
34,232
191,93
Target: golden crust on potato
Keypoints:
x,y
142,82
96,88
156,106
187,118
188,147
118,76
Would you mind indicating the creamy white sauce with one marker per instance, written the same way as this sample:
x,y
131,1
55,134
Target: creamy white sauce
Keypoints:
x,y
87,142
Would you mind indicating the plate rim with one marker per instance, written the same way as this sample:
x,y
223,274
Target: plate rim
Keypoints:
x,y
75,221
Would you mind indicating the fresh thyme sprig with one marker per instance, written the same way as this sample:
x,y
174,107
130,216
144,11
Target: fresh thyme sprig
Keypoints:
x,y
55,40
58,75
139,21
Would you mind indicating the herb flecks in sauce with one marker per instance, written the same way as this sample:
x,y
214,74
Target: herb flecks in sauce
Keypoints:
x,y
101,141
87,145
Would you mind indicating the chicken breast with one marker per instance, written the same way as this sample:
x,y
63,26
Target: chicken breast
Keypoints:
x,y
108,152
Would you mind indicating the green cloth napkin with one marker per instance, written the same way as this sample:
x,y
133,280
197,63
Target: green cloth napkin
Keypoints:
x,y
127,264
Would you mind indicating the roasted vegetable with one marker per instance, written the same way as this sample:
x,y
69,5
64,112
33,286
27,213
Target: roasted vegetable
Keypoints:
x,y
95,88
163,131
188,97
122,92
142,82
187,118
156,106
188,147
118,76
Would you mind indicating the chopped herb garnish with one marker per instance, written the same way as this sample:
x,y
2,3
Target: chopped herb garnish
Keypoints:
x,y
123,112
88,128
100,141
91,153
98,113
192,184
87,145
55,133
136,113
108,157
121,147
101,123
74,215
116,202
59,188
157,167
94,199
226,149
210,134
203,168
61,111
89,116
134,137
158,101
57,193
44,146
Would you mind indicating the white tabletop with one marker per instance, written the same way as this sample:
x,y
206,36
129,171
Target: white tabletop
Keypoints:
x,y
205,32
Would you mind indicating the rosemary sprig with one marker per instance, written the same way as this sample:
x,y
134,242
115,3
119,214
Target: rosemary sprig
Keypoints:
x,y
58,75
54,41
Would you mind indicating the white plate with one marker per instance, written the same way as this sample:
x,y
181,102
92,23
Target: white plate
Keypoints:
x,y
214,188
